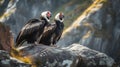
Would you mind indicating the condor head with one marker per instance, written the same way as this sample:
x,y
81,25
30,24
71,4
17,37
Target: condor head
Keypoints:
x,y
59,17
46,15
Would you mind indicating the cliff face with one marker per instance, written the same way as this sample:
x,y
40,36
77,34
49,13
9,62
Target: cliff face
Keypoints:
x,y
98,28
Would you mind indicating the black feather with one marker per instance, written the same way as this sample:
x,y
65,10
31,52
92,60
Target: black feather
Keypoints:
x,y
30,32
52,33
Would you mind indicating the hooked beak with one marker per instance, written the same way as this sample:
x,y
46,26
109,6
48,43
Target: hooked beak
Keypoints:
x,y
61,17
49,16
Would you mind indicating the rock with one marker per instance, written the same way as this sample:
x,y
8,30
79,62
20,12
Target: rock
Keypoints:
x,y
3,6
73,56
91,57
7,61
97,28
45,56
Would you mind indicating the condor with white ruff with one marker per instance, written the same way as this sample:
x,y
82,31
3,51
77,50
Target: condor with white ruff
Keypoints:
x,y
53,32
33,29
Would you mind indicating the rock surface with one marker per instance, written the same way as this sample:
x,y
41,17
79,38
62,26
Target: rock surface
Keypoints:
x,y
91,57
97,28
75,55
7,61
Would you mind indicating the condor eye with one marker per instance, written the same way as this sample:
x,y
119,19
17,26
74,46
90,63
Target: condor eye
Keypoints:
x,y
63,16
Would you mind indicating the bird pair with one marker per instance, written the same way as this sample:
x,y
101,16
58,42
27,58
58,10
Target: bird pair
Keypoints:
x,y
41,30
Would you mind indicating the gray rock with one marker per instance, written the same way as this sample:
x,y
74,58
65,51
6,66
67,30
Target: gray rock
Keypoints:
x,y
91,57
75,55
45,56
97,28
7,61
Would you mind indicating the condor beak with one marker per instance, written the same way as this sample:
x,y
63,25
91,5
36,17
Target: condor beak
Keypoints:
x,y
61,17
49,16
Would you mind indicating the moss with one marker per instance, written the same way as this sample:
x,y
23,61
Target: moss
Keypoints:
x,y
17,54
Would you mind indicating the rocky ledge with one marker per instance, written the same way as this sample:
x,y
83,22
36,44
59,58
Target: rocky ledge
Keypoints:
x,y
74,55
7,61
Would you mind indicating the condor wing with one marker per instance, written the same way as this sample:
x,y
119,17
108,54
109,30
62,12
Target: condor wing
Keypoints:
x,y
29,28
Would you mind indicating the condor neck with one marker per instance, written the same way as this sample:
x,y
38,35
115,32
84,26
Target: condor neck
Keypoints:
x,y
46,22
59,24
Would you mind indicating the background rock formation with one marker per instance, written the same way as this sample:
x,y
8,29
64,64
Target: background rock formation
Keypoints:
x,y
97,28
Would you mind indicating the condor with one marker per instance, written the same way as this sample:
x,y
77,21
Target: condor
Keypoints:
x,y
53,32
33,29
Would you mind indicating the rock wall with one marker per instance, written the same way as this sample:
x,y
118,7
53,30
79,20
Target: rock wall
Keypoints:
x,y
97,28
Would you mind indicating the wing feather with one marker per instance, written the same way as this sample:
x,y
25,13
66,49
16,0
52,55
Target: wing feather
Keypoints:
x,y
48,31
31,27
50,28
